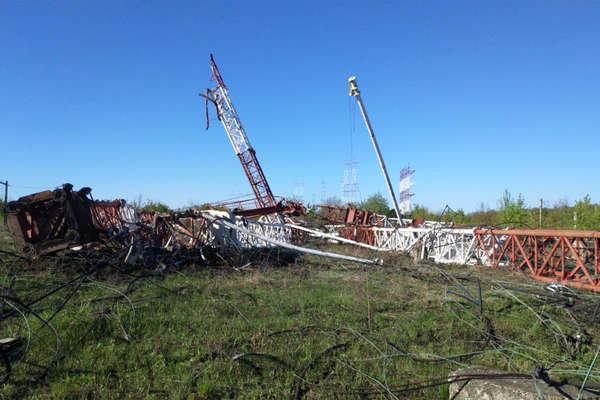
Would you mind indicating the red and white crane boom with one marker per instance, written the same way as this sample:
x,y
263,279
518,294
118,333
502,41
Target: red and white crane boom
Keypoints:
x,y
226,112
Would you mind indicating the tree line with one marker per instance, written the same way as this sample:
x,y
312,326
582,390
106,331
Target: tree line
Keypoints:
x,y
512,211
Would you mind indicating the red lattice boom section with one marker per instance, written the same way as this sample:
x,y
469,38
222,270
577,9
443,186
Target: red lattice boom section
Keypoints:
x,y
566,256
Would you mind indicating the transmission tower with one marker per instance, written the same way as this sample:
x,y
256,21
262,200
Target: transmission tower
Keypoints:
x,y
323,191
350,188
299,190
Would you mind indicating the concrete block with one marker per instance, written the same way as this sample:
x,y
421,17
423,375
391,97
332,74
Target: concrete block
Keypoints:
x,y
496,388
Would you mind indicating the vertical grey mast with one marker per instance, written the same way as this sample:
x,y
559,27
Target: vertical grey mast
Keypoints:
x,y
356,93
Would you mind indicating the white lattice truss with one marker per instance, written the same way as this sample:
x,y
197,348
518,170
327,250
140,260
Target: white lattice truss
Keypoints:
x,y
442,245
209,230
274,231
434,242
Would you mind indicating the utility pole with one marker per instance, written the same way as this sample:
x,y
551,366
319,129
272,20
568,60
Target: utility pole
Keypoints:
x,y
5,183
540,215
356,93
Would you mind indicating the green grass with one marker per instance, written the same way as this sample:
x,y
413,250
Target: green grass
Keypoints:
x,y
317,329
6,242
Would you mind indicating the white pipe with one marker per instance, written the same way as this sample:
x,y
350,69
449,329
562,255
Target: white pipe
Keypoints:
x,y
287,245
337,238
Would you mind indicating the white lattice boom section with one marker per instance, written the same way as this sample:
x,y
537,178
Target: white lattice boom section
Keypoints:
x,y
432,241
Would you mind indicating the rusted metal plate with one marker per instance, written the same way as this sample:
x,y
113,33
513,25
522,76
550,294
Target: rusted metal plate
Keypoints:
x,y
51,220
282,207
352,216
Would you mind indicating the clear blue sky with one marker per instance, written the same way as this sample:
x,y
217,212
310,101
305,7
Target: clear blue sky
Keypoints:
x,y
476,96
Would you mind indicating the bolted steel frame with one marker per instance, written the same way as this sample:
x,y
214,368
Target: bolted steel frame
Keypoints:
x,y
570,257
566,256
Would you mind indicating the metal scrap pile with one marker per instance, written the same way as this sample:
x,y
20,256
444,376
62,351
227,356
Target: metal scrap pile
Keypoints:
x,y
51,221
67,220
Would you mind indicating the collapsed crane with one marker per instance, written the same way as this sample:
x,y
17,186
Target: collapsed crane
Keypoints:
x,y
239,140
264,200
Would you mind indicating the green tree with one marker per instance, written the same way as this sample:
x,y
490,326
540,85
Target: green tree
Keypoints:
x,y
376,203
457,217
588,214
484,216
512,211
208,206
559,216
422,212
156,206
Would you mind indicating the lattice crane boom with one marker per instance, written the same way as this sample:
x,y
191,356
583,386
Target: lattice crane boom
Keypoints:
x,y
230,119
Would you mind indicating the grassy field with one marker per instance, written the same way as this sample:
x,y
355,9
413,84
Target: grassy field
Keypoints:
x,y
311,329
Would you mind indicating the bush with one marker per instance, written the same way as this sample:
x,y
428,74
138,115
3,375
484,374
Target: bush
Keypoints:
x,y
513,212
376,203
156,206
585,214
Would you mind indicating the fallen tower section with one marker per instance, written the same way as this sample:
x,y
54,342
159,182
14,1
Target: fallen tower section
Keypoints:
x,y
51,221
64,219
569,257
